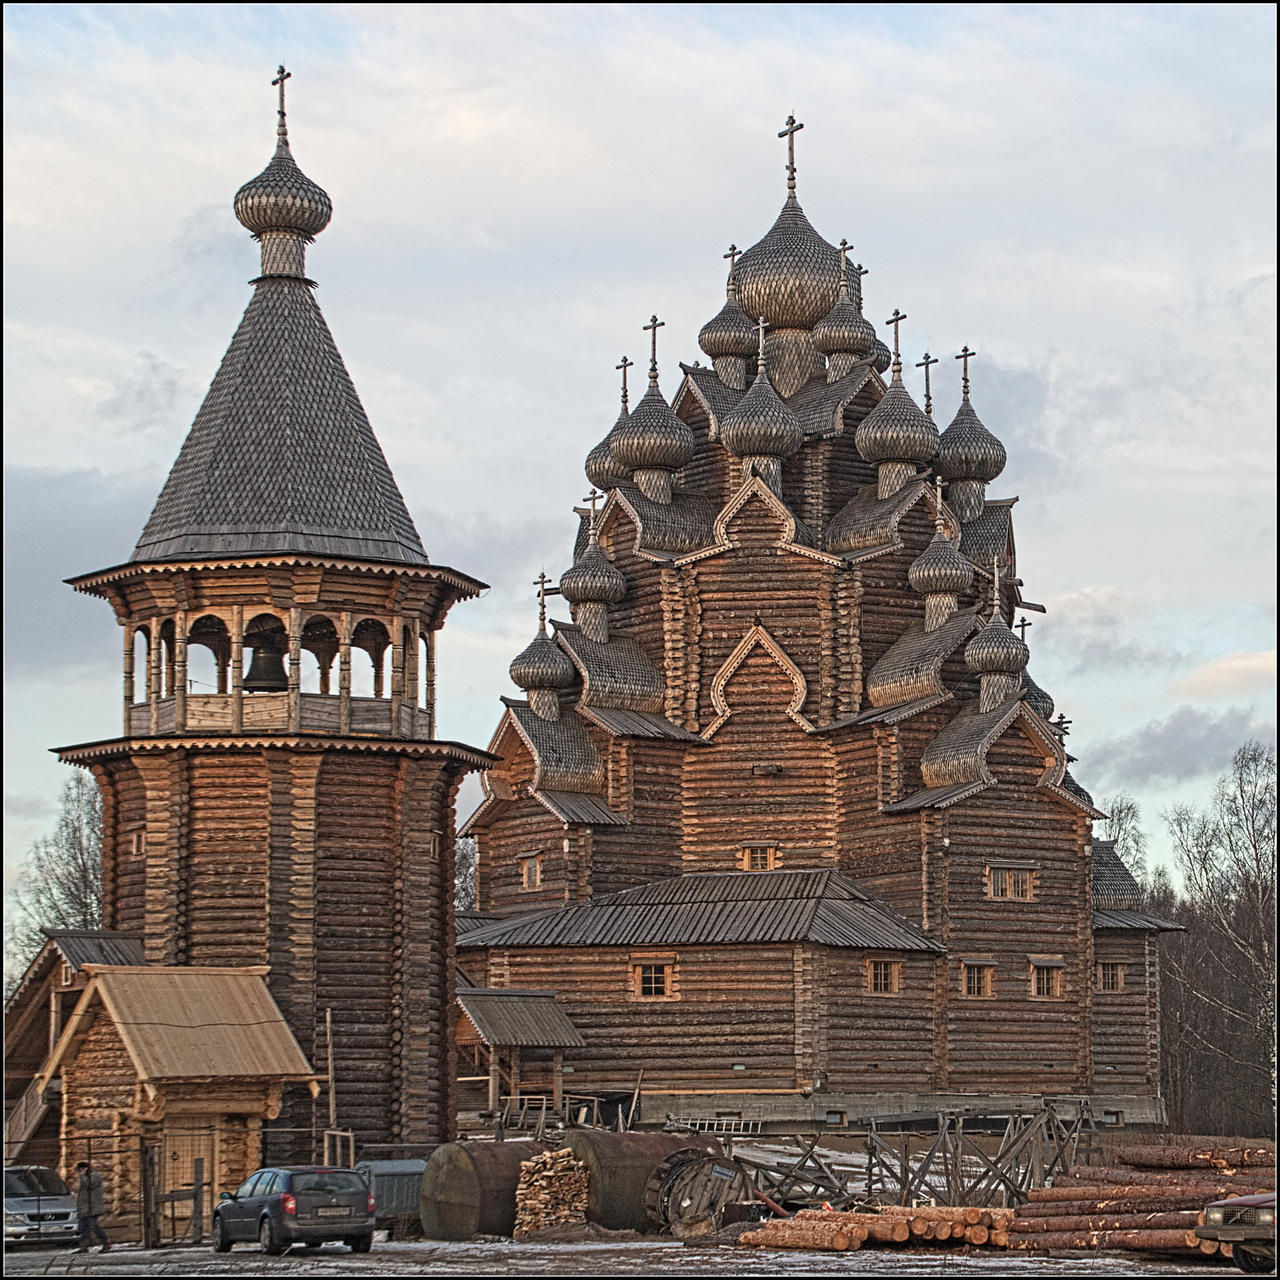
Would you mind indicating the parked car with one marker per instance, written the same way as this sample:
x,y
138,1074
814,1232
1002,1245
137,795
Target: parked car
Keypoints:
x,y
308,1206
38,1208
1248,1224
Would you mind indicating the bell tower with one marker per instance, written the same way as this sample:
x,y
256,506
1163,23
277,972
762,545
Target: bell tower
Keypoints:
x,y
277,794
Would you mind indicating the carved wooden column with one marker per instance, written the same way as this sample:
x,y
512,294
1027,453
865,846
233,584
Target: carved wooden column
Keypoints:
x,y
237,668
344,673
411,676
397,673
295,669
128,678
180,671
153,674
430,696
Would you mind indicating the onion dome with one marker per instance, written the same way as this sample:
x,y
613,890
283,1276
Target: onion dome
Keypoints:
x,y
791,276
844,329
897,429
881,356
996,651
967,450
652,436
1036,698
729,332
940,569
593,578
760,425
543,665
601,466
282,197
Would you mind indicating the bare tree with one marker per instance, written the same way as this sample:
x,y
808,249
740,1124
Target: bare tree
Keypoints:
x,y
464,873
1123,824
59,885
1227,856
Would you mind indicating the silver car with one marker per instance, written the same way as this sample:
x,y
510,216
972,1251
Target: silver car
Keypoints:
x,y
38,1208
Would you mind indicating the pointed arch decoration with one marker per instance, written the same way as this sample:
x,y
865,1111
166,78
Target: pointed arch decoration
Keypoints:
x,y
757,635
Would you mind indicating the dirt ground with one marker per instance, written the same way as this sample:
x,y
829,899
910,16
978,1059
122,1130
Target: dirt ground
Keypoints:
x,y
641,1259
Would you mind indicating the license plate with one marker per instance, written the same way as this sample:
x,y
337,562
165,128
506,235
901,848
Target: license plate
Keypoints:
x,y
336,1211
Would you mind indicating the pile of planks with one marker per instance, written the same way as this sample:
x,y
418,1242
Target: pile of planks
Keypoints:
x,y
1153,1207
824,1230
552,1191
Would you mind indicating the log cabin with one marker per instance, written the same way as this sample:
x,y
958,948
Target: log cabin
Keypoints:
x,y
788,683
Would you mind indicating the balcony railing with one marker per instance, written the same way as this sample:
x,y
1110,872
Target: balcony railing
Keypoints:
x,y
269,712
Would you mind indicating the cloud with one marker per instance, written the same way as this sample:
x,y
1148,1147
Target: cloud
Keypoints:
x,y
1234,674
1095,629
1189,743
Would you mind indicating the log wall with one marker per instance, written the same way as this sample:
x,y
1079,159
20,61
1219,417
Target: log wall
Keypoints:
x,y
1126,1057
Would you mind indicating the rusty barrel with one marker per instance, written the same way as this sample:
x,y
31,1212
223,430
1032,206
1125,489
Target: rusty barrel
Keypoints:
x,y
469,1188
619,1166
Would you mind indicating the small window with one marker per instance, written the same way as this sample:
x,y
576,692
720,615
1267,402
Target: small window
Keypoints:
x,y
531,871
884,977
1011,883
759,857
1046,982
1110,976
653,976
978,980
138,843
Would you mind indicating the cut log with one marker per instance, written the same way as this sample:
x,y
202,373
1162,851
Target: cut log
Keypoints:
x,y
976,1234
1091,1175
1149,1241
1161,1157
1164,1203
1106,1222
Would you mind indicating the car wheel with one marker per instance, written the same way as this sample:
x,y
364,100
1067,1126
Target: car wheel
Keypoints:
x,y
220,1242
1251,1260
268,1239
361,1244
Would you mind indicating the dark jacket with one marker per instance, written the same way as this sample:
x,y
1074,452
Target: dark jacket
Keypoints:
x,y
91,1198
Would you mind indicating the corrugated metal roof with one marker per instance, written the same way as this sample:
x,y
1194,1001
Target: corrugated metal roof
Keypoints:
x,y
192,1022
1134,920
735,907
529,1019
97,946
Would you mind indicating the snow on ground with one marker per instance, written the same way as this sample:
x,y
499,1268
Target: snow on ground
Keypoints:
x,y
639,1259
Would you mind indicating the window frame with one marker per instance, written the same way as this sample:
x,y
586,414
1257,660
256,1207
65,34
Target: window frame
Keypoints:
x,y
894,973
1005,872
1051,967
534,858
747,851
638,962
1119,967
987,968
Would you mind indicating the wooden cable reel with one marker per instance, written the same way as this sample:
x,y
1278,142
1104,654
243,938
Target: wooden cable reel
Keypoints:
x,y
685,1193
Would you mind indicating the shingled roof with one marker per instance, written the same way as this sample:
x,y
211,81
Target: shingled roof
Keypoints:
x,y
725,907
281,458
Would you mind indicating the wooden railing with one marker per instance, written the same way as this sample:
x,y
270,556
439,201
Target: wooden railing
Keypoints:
x,y
24,1120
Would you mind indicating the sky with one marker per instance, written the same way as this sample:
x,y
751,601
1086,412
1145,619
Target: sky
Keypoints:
x,y
1083,194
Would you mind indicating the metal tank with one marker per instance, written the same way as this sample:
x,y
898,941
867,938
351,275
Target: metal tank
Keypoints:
x,y
469,1188
619,1166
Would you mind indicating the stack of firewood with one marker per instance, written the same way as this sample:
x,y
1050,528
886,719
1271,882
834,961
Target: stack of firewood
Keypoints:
x,y
822,1229
1152,1206
552,1191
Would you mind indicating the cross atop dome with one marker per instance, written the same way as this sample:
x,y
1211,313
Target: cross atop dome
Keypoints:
x,y
790,134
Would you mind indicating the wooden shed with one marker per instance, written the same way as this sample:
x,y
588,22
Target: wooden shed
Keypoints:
x,y
186,1062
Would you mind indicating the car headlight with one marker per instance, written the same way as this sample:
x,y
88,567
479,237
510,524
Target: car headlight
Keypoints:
x,y
1214,1215
1267,1217
14,1219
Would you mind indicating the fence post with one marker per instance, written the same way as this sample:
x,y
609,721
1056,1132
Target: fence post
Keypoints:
x,y
147,1170
197,1200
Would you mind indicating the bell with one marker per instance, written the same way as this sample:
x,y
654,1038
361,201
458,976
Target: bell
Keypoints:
x,y
266,672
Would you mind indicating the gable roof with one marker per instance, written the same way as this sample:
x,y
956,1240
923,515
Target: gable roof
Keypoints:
x,y
80,947
188,1023
280,457
515,1017
727,907
911,668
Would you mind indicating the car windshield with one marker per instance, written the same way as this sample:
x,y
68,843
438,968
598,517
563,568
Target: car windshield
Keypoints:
x,y
33,1182
332,1181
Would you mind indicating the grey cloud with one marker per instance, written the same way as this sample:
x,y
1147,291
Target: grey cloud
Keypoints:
x,y
1086,641
57,525
28,807
1189,743
147,400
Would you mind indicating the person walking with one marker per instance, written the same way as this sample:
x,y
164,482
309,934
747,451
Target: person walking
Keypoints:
x,y
91,1204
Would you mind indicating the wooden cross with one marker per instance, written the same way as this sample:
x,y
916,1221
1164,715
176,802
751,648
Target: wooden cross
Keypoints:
x,y
760,328
281,76
592,498
845,246
541,583
1021,628
624,366
733,256
928,398
896,319
790,134
652,327
1062,724
939,523
966,355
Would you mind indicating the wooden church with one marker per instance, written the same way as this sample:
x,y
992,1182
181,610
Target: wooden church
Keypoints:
x,y
782,816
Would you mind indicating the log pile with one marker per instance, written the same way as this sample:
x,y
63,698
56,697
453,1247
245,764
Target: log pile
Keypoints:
x,y
827,1231
552,1191
1152,1206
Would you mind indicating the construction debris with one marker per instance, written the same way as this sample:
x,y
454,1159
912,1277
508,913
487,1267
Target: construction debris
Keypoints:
x,y
552,1192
